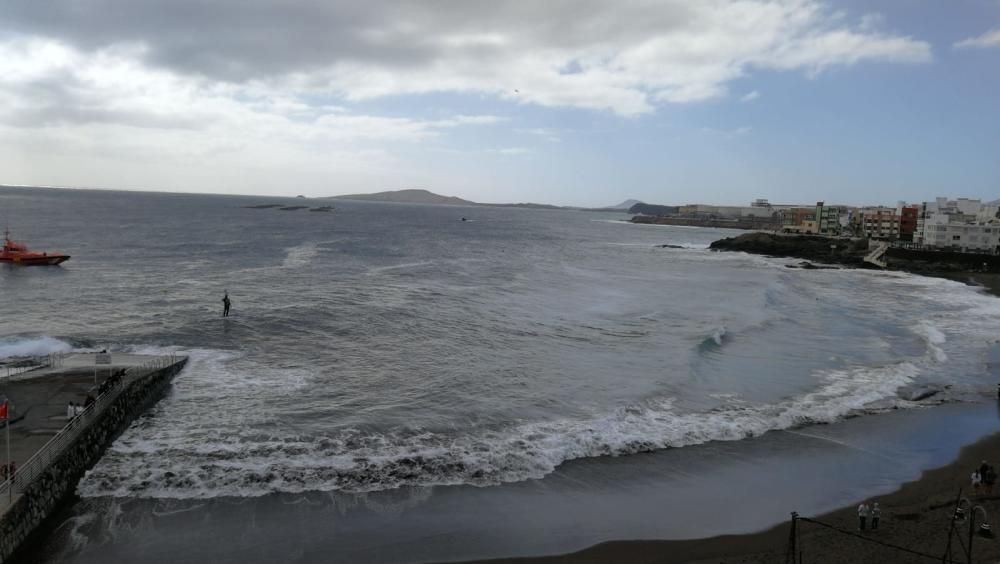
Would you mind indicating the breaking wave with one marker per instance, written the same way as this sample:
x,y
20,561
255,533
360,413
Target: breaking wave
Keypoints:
x,y
32,346
934,339
150,461
299,256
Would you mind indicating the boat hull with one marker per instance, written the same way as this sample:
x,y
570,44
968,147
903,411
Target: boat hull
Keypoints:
x,y
36,260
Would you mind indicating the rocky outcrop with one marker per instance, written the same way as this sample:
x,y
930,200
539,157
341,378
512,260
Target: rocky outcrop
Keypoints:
x,y
654,210
851,253
848,252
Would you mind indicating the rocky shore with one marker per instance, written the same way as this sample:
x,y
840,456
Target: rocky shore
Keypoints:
x,y
977,269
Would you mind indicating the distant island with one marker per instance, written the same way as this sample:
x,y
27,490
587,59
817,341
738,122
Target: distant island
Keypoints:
x,y
415,196
420,196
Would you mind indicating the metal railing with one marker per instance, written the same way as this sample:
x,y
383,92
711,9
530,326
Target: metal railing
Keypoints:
x,y
26,364
36,465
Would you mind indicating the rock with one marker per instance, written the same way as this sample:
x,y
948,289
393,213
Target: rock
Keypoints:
x,y
848,252
917,393
805,265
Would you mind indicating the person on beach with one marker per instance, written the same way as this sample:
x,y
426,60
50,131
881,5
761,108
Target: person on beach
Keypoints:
x,y
976,481
70,410
989,479
863,513
225,305
876,513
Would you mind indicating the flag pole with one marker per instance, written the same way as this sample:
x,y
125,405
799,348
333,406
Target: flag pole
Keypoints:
x,y
10,476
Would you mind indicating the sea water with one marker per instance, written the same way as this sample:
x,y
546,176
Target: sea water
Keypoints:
x,y
440,388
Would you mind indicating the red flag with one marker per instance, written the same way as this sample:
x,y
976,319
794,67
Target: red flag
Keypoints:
x,y
3,410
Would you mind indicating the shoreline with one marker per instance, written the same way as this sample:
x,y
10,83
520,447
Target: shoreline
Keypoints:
x,y
916,515
981,270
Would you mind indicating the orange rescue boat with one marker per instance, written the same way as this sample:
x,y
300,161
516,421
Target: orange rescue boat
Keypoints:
x,y
17,253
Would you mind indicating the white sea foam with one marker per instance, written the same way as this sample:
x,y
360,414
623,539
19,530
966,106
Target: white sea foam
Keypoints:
x,y
403,266
718,335
32,346
934,339
210,461
299,256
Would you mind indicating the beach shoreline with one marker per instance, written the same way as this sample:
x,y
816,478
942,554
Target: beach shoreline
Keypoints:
x,y
917,516
923,507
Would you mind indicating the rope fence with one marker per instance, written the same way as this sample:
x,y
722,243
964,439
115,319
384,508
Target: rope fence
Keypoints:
x,y
794,551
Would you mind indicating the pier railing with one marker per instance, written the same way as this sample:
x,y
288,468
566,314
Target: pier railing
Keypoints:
x,y
29,363
33,467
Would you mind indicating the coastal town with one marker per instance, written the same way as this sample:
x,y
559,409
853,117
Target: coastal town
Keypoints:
x,y
959,225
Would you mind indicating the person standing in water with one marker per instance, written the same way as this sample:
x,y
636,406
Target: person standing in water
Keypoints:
x,y
225,305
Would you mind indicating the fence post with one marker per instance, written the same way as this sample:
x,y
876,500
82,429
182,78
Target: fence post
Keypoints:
x,y
790,554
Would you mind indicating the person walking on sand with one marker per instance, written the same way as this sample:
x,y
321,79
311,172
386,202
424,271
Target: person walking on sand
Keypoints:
x,y
863,513
876,513
977,481
70,411
225,305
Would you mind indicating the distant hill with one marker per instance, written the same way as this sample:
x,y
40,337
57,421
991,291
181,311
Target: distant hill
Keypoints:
x,y
625,205
407,197
650,209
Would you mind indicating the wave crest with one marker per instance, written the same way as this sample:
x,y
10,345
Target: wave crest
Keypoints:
x,y
214,462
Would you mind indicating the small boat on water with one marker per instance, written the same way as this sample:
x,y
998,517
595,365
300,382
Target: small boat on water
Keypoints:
x,y
17,253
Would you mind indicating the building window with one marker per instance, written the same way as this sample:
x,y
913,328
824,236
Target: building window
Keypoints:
x,y
956,237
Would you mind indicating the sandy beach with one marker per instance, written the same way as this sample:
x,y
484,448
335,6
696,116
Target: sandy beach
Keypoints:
x,y
917,516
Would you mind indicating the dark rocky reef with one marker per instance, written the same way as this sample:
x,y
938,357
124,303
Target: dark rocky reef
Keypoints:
x,y
848,252
966,267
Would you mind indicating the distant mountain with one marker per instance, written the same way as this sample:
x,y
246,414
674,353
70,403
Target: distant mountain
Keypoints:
x,y
528,205
625,205
650,209
407,197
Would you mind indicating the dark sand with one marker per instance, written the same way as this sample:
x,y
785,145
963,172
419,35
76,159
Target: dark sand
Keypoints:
x,y
917,516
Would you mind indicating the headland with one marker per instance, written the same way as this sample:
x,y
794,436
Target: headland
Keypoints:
x,y
977,269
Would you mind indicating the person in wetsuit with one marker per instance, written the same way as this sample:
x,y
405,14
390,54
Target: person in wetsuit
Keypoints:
x,y
225,305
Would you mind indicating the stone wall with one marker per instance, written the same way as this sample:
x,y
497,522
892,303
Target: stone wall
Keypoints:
x,y
56,484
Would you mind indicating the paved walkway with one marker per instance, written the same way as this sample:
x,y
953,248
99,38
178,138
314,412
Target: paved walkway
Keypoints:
x,y
38,400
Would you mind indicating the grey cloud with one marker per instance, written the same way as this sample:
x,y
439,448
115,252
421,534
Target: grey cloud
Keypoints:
x,y
625,56
61,98
246,39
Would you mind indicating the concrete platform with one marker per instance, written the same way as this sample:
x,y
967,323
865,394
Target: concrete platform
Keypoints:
x,y
38,399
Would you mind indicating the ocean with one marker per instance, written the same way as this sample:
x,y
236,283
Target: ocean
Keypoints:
x,y
396,384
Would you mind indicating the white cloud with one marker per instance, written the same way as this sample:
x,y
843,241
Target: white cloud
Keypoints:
x,y
750,96
57,102
547,134
259,85
514,151
985,41
626,57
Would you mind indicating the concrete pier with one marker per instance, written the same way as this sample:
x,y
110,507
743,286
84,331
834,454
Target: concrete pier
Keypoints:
x,y
52,451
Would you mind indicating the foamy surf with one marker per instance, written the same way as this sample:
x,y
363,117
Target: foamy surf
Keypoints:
x,y
176,461
11,347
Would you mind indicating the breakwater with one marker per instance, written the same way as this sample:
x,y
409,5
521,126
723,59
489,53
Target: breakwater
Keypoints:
x,y
49,478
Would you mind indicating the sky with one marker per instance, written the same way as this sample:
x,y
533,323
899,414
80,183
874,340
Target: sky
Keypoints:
x,y
570,102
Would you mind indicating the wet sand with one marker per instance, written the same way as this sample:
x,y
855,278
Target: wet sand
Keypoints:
x,y
916,516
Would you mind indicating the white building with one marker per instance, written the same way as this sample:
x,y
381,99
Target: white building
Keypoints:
x,y
962,225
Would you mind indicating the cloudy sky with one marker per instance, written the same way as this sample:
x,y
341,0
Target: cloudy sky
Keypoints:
x,y
559,101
